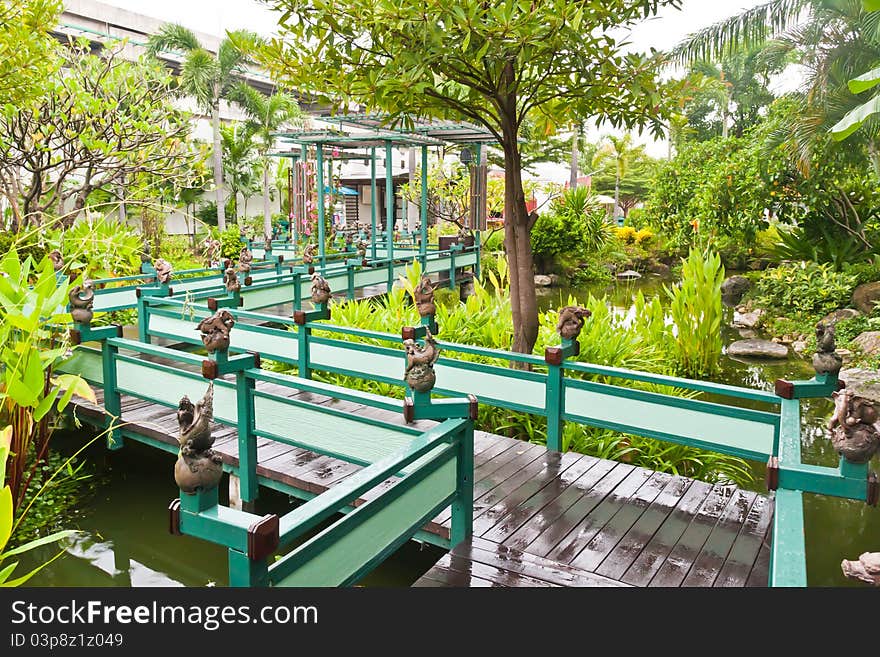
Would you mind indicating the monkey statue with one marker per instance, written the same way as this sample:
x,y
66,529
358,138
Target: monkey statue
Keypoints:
x,y
419,374
854,432
424,297
163,271
197,466
320,289
571,321
82,299
215,330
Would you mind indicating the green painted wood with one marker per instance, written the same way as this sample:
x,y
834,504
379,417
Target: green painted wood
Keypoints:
x,y
788,553
347,550
729,435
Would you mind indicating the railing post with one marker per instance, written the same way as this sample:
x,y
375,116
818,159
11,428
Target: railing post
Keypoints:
x,y
247,439
246,572
349,270
462,526
390,274
303,333
112,398
478,249
452,267
554,397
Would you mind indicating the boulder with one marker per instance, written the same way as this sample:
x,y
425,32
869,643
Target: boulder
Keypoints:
x,y
748,334
862,383
868,342
757,349
658,268
800,346
735,287
748,320
838,315
543,281
629,274
865,295
554,279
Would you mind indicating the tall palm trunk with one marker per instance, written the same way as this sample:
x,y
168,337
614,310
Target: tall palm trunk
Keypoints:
x,y
573,174
218,167
267,211
616,193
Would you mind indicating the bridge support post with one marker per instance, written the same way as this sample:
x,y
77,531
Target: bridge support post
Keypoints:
x,y
112,398
462,526
554,400
452,249
246,572
247,439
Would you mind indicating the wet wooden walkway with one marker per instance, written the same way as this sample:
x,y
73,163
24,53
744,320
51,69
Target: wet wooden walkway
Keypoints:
x,y
541,518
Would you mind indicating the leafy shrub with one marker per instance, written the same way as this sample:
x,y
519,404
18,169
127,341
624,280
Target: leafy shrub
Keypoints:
x,y
100,246
495,241
644,235
626,234
25,243
573,226
864,272
804,287
230,242
818,243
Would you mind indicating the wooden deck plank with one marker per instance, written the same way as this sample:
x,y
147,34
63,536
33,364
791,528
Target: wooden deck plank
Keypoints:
x,y
629,541
570,545
679,560
760,574
612,519
643,530
711,559
523,513
462,564
664,539
550,513
739,562
554,466
494,554
440,576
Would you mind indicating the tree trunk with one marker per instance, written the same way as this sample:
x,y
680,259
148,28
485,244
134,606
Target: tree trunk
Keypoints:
x,y
267,211
518,245
218,166
573,174
616,194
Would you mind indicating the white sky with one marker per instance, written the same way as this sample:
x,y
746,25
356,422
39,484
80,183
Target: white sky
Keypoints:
x,y
660,32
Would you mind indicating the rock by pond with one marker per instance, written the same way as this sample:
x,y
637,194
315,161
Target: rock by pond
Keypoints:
x,y
746,320
868,342
862,382
757,349
542,280
865,295
840,315
733,288
629,274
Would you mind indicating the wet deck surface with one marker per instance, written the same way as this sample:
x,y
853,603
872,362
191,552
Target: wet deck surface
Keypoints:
x,y
541,518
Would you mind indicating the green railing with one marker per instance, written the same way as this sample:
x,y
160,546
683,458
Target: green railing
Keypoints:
x,y
433,468
562,390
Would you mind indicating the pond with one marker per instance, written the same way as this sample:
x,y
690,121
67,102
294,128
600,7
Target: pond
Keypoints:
x,y
854,525
125,540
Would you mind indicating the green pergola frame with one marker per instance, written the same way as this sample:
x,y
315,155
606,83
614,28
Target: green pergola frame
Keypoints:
x,y
383,132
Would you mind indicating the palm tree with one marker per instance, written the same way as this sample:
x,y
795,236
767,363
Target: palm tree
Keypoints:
x,y
207,77
834,40
239,161
266,114
618,151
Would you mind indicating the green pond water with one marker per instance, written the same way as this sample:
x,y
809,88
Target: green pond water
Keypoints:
x,y
125,539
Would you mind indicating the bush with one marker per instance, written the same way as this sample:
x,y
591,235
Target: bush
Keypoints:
x,y
864,272
230,242
103,247
804,287
572,227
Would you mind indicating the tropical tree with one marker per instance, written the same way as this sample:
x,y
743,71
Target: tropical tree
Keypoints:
x,y
859,116
101,123
207,77
240,161
27,48
834,41
266,115
495,64
634,186
619,151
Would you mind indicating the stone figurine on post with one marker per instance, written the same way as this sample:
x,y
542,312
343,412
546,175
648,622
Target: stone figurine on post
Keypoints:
x,y
57,260
230,280
82,300
866,569
571,321
826,360
215,330
163,271
321,292
308,256
419,374
245,258
424,298
853,424
198,467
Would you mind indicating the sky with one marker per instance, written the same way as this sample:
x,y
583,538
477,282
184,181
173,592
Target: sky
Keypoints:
x,y
661,32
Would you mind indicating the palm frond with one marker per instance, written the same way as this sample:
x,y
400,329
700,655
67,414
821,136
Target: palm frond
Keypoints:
x,y
198,77
172,36
235,51
744,31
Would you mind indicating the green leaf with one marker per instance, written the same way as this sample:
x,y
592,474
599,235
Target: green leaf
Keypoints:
x,y
45,405
864,82
871,5
76,384
6,572
39,542
5,516
855,119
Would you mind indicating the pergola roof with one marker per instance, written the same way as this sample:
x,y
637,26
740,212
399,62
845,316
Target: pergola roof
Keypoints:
x,y
456,132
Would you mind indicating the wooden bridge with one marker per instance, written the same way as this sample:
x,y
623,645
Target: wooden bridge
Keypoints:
x,y
512,513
